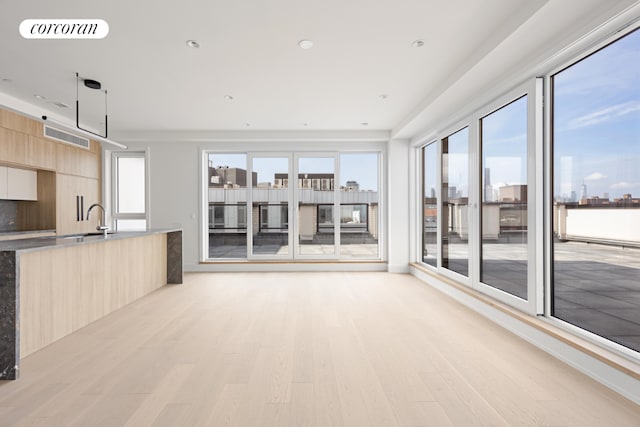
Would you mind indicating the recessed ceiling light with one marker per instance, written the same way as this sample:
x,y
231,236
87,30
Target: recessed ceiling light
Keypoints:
x,y
247,124
383,96
305,44
60,104
417,43
40,97
6,80
193,44
305,124
228,97
364,124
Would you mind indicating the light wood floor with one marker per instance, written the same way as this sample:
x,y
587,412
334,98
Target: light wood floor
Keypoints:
x,y
298,349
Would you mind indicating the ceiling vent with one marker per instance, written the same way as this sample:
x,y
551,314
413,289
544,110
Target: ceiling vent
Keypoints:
x,y
65,137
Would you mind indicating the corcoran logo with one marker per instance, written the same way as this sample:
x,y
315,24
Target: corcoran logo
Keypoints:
x,y
64,29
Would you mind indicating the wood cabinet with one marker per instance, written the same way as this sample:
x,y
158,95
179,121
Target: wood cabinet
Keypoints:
x,y
69,171
41,153
78,161
71,212
64,289
40,215
19,123
13,147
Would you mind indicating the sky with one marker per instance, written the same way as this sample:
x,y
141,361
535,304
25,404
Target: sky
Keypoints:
x,y
596,130
597,122
359,167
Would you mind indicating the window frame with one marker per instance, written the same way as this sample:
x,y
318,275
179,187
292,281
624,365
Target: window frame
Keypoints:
x,y
532,88
115,214
284,149
548,176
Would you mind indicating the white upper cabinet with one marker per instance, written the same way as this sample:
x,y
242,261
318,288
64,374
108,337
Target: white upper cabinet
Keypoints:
x,y
18,184
3,182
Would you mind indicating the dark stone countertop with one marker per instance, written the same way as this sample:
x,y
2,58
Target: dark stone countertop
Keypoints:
x,y
46,243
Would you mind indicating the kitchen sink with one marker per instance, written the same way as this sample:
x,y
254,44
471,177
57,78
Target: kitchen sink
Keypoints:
x,y
83,235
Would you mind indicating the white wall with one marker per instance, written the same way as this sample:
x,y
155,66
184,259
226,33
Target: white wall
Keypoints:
x,y
398,206
609,225
175,180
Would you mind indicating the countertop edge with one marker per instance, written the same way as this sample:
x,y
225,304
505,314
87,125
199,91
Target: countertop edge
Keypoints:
x,y
22,246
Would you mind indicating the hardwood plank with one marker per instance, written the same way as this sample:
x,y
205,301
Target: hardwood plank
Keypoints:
x,y
324,349
155,403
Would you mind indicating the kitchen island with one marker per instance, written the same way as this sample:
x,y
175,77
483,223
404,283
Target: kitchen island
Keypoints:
x,y
53,286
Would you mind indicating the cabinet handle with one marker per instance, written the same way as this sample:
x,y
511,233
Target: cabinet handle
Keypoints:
x,y
81,208
77,208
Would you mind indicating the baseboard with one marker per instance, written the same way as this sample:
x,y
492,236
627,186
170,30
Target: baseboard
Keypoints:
x,y
284,266
398,268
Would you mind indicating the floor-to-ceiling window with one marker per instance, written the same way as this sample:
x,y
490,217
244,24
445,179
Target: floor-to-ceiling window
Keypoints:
x,y
504,196
270,206
227,205
455,202
596,192
359,213
316,186
430,204
300,206
493,209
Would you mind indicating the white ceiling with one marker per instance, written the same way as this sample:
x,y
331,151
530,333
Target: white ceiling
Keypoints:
x,y
249,49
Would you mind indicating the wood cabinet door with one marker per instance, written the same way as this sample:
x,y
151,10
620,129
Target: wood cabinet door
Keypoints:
x,y
71,212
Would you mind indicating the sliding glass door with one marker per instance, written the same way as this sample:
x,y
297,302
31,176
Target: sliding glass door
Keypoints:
x,y
504,215
288,206
270,195
227,205
455,202
317,234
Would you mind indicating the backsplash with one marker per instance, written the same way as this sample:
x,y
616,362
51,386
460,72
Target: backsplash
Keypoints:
x,y
8,215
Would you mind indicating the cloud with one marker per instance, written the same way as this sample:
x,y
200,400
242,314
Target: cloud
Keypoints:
x,y
596,176
605,115
623,185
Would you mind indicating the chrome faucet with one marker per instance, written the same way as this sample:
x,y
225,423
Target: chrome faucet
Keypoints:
x,y
101,225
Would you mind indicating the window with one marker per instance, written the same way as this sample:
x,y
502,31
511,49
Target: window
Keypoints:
x,y
596,193
227,195
301,205
325,219
359,205
455,202
430,204
129,198
504,213
274,218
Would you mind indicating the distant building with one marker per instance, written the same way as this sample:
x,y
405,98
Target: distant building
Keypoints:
x,y
574,196
317,181
226,177
626,202
352,186
513,193
593,201
488,189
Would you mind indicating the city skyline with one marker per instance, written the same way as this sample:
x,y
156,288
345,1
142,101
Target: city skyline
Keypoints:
x,y
596,106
